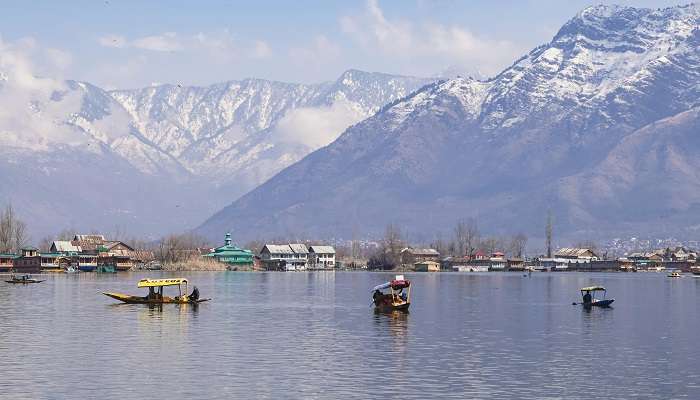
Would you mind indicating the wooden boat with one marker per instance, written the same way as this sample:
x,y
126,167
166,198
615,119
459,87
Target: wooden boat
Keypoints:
x,y
390,296
155,293
24,279
589,300
675,274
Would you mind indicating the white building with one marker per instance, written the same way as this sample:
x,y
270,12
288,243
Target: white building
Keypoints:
x,y
288,257
322,257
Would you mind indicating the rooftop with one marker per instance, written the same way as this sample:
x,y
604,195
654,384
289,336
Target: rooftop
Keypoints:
x,y
322,249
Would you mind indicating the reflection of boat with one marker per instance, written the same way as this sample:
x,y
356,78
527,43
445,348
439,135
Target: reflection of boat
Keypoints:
x,y
106,269
24,279
589,300
675,274
390,296
155,293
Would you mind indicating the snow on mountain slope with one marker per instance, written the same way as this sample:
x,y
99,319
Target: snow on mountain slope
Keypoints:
x,y
174,143
233,124
499,150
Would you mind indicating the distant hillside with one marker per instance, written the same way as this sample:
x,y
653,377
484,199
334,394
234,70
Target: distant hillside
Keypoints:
x,y
160,159
600,125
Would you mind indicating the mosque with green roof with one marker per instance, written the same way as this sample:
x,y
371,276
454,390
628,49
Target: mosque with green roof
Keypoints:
x,y
232,255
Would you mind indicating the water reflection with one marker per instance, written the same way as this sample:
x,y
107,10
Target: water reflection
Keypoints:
x,y
309,335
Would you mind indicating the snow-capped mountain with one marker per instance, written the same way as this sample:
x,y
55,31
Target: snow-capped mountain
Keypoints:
x,y
134,158
253,128
543,134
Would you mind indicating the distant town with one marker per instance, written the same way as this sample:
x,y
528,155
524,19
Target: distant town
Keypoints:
x,y
465,251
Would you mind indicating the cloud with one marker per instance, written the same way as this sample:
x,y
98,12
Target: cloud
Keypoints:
x,y
33,108
165,42
316,127
317,55
446,45
116,41
219,43
261,49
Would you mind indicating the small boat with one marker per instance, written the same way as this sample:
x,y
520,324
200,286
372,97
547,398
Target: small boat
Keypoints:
x,y
390,296
589,300
71,270
24,279
155,293
675,274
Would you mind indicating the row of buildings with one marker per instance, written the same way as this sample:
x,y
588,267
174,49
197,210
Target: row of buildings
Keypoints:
x,y
83,252
275,257
565,259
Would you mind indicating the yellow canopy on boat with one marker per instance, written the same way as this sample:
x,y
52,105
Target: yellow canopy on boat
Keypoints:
x,y
161,282
592,288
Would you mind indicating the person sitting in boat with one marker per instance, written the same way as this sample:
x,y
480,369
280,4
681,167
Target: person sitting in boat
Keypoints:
x,y
195,294
377,296
587,298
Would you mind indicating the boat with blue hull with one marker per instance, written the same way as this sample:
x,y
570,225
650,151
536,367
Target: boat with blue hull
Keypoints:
x,y
588,295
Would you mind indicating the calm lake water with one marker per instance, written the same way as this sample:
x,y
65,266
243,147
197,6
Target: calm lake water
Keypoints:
x,y
313,335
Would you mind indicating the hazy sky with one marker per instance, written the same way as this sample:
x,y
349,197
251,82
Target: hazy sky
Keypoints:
x,y
125,44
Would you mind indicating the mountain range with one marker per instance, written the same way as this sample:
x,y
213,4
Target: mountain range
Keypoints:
x,y
599,126
161,159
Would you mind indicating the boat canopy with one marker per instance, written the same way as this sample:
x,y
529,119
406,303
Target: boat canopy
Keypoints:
x,y
396,284
161,282
592,289
382,286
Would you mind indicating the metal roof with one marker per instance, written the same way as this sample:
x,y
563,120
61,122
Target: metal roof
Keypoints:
x,y
65,246
322,249
299,248
421,252
278,248
573,252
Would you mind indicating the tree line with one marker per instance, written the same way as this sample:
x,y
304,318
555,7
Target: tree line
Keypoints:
x,y
13,231
465,240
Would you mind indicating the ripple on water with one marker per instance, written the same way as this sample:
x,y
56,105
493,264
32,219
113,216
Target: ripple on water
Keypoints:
x,y
313,335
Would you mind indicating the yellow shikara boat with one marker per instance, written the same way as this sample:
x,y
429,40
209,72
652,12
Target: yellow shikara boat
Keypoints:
x,y
155,293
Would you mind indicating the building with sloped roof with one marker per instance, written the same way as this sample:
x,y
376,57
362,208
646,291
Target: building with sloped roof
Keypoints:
x,y
287,257
576,253
322,257
232,255
65,247
410,256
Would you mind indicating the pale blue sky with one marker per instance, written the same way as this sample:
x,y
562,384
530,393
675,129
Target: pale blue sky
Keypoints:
x,y
123,44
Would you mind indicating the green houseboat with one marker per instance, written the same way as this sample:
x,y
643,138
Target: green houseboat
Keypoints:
x,y
232,255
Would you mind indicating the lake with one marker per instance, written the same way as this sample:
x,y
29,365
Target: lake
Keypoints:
x,y
314,336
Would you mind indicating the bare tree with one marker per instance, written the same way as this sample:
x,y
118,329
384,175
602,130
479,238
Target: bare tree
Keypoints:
x,y
45,244
176,248
13,231
388,255
491,245
439,244
517,245
466,237
393,243
548,233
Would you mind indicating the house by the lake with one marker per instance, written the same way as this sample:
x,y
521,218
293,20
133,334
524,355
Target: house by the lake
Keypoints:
x,y
285,257
232,255
28,262
322,257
